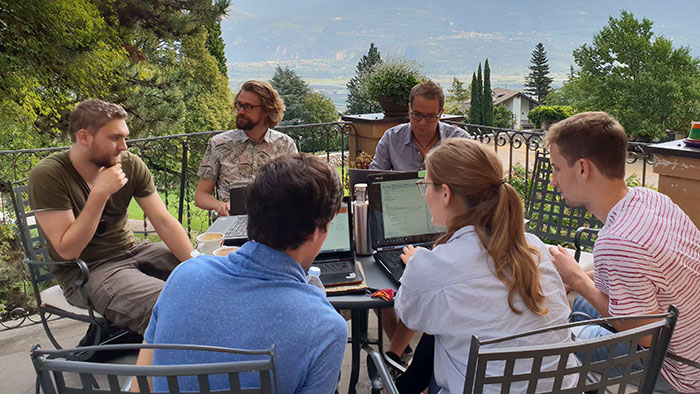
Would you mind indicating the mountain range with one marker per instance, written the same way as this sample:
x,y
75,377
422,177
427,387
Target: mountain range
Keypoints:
x,y
324,39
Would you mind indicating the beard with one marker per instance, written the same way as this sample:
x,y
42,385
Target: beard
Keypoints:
x,y
244,123
105,161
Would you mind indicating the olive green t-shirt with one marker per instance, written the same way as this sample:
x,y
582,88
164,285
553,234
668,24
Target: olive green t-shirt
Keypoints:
x,y
54,184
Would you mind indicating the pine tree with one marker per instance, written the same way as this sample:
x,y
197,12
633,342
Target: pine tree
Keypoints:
x,y
292,89
357,104
538,83
571,75
476,107
487,100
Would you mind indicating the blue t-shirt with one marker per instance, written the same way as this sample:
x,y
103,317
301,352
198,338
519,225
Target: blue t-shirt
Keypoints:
x,y
251,299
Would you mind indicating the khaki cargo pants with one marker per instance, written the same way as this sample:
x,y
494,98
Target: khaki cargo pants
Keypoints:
x,y
125,288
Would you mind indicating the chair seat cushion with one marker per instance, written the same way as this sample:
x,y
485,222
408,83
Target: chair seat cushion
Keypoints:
x,y
54,297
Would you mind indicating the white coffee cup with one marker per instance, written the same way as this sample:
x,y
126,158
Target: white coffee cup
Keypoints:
x,y
207,243
225,250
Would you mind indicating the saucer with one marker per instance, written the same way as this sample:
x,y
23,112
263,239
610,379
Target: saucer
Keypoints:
x,y
693,143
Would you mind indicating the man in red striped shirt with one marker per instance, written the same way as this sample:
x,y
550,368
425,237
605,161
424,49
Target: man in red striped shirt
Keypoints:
x,y
647,255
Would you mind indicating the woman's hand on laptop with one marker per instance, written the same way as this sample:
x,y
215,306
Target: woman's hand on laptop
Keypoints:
x,y
408,252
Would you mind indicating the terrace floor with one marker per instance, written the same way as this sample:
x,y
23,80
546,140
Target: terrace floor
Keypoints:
x,y
17,373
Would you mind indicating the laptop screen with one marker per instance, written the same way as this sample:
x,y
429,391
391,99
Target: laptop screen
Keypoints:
x,y
338,239
398,212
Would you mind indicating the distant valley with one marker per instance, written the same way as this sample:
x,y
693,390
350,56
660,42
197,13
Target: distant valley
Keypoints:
x,y
323,40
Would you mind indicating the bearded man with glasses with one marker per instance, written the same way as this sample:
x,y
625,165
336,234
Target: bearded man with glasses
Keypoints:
x,y
233,158
403,147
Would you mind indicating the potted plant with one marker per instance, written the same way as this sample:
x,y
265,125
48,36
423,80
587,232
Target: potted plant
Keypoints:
x,y
390,83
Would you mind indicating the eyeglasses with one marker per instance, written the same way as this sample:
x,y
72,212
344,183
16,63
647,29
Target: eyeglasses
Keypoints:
x,y
246,107
420,116
423,186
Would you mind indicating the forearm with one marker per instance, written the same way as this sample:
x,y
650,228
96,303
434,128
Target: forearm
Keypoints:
x,y
205,200
79,234
586,288
174,236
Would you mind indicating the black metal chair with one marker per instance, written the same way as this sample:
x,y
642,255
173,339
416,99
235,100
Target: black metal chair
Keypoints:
x,y
49,296
58,372
549,217
593,376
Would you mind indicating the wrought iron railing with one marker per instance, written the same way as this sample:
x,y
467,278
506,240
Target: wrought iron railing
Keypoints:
x,y
174,161
528,142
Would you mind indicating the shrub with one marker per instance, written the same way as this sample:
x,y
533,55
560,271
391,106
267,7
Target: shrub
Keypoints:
x,y
392,78
546,115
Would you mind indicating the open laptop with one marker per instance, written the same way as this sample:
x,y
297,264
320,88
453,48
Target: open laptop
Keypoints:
x,y
359,175
235,226
398,216
337,258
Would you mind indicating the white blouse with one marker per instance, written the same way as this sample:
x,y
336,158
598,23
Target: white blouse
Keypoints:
x,y
451,292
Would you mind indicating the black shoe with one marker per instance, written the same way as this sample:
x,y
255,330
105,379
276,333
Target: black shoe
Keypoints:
x,y
396,366
407,355
108,335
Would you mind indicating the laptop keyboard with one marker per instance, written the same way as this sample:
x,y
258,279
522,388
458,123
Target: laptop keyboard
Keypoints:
x,y
336,267
238,229
392,258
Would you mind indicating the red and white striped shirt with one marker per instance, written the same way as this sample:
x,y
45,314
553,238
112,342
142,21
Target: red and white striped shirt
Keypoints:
x,y
647,257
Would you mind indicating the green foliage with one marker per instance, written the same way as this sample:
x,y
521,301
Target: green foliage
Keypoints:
x,y
292,89
58,52
12,279
456,97
481,108
502,117
475,114
519,177
319,109
637,77
359,103
487,98
392,78
538,83
546,115
215,46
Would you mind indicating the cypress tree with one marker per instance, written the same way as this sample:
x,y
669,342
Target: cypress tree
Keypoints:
x,y
475,108
487,103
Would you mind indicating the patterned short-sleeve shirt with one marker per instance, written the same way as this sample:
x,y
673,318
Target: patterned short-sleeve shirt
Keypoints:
x,y
232,159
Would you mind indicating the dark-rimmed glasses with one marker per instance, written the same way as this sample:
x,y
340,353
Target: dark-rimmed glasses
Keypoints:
x,y
423,186
246,107
420,116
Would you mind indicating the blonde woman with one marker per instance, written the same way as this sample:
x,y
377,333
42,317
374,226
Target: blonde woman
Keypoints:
x,y
485,275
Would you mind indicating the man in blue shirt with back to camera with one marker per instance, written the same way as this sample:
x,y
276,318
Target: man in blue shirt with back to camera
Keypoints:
x,y
258,296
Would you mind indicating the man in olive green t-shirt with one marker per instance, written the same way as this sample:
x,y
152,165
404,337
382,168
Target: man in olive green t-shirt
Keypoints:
x,y
81,198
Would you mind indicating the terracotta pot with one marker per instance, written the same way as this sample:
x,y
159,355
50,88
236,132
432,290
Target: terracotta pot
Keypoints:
x,y
391,109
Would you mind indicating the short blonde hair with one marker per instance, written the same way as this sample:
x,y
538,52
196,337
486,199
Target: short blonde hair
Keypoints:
x,y
272,103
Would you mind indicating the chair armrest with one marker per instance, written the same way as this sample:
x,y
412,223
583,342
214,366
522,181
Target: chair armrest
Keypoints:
x,y
577,239
84,271
377,370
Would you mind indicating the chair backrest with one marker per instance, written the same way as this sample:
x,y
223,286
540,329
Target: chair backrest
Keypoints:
x,y
58,376
593,376
549,216
32,238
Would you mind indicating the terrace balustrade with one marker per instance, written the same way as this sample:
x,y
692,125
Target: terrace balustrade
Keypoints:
x,y
175,159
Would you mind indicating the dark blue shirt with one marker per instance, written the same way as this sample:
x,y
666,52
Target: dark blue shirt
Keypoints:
x,y
251,299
